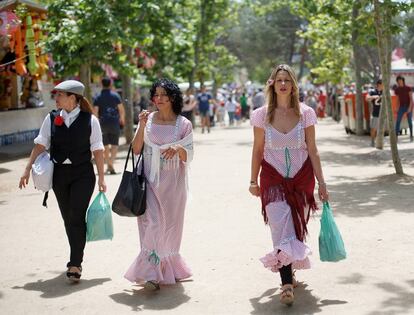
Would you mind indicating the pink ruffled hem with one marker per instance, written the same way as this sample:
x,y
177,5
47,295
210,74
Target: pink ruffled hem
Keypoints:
x,y
294,252
169,269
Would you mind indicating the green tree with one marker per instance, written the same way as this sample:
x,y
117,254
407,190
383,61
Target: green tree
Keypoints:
x,y
80,34
385,13
263,34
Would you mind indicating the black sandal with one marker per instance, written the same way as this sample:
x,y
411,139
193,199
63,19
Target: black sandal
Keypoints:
x,y
74,276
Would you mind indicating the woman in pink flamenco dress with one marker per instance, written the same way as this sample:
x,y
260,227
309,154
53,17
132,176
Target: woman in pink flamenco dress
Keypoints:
x,y
168,149
286,155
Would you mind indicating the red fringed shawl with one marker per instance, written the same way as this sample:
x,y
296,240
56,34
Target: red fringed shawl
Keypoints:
x,y
296,191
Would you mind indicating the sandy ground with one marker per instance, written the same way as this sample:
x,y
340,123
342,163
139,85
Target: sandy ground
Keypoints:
x,y
224,236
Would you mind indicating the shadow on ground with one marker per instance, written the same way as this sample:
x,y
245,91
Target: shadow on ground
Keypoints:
x,y
4,170
169,297
305,303
372,158
382,193
59,286
400,300
355,278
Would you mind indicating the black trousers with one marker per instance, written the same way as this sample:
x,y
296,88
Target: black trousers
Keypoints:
x,y
73,187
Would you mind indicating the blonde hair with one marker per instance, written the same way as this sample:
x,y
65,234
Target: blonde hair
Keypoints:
x,y
270,92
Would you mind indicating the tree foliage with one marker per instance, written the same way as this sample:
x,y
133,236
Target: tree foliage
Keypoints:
x,y
263,35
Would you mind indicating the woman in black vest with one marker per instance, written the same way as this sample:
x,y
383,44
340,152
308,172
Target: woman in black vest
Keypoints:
x,y
71,134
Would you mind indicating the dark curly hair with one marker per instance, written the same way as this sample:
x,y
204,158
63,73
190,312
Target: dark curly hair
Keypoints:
x,y
173,91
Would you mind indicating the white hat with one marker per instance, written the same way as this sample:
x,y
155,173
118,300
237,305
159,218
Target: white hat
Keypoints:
x,y
71,86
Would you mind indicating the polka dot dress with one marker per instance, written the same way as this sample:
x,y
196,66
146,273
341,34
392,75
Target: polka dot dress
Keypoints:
x,y
286,153
161,227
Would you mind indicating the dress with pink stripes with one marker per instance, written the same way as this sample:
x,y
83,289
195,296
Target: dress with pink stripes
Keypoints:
x,y
161,227
286,153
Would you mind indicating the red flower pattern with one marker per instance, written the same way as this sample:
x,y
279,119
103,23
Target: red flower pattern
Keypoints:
x,y
59,121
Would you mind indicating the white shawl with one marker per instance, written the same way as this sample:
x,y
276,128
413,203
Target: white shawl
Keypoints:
x,y
186,143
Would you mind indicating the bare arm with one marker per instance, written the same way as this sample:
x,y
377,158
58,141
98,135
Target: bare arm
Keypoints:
x,y
96,111
257,157
371,97
178,149
410,107
138,140
24,180
121,111
316,161
99,161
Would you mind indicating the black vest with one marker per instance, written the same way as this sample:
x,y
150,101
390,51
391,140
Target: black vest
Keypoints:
x,y
71,143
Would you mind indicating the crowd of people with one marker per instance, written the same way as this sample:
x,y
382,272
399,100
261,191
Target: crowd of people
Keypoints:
x,y
231,105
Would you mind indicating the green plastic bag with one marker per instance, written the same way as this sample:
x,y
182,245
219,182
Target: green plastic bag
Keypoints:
x,y
331,245
99,220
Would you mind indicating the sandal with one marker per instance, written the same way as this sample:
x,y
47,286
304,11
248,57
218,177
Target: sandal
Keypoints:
x,y
287,297
151,286
72,275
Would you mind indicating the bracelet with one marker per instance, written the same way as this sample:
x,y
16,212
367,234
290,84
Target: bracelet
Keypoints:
x,y
322,184
254,185
253,182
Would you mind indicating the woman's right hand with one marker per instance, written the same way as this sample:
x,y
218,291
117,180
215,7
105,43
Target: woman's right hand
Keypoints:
x,y
255,190
24,180
143,118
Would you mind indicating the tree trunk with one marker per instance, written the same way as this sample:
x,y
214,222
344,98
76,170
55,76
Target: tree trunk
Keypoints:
x,y
379,140
383,17
358,80
85,78
128,102
215,85
197,46
129,111
302,58
292,48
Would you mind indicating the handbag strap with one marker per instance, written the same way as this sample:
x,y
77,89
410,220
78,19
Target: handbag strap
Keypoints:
x,y
135,165
127,159
141,157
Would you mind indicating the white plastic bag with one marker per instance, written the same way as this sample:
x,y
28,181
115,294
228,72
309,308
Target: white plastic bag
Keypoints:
x,y
42,172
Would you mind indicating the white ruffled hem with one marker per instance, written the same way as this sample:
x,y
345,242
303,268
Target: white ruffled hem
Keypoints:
x,y
293,252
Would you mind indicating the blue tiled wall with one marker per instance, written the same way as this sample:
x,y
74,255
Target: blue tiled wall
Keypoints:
x,y
18,137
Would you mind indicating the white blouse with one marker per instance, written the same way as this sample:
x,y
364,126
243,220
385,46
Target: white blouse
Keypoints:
x,y
95,138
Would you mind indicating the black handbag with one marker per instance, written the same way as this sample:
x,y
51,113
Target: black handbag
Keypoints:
x,y
130,200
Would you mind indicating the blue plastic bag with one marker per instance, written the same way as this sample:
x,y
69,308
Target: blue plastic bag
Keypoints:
x,y
331,245
99,220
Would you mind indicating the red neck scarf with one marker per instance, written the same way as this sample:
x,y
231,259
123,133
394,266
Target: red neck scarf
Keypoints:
x,y
296,191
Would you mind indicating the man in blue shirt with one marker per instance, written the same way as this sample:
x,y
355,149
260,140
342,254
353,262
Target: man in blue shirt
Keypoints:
x,y
204,100
111,113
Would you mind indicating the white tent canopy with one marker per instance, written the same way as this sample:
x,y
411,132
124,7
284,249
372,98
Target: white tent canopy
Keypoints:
x,y
404,68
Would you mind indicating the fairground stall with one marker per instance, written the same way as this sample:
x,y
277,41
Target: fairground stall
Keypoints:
x,y
24,71
400,67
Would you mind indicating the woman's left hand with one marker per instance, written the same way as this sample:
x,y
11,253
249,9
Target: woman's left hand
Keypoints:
x,y
323,193
101,185
170,152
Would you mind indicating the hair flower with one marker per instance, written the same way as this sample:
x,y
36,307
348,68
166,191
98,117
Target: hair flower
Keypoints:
x,y
58,121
